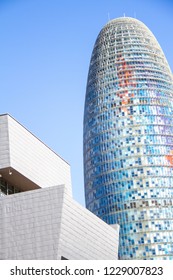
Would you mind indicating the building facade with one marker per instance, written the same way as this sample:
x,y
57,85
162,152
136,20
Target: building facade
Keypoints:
x,y
39,219
47,224
26,162
128,139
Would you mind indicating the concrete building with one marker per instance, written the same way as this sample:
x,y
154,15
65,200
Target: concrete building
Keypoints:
x,y
128,139
38,217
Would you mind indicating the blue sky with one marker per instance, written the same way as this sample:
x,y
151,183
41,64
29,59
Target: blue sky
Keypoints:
x,y
45,48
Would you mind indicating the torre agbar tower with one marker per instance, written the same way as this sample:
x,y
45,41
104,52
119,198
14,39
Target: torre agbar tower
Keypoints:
x,y
128,139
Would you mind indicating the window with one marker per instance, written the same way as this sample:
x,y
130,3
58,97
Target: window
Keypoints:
x,y
63,258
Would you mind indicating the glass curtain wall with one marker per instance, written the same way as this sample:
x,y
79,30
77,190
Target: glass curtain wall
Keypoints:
x,y
128,139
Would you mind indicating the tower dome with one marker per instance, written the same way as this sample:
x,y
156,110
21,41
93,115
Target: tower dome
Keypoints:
x,y
128,139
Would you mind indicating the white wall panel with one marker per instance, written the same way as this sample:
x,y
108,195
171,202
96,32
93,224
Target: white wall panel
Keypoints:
x,y
4,142
22,151
48,223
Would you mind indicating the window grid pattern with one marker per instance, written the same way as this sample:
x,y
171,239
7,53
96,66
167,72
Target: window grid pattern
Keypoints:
x,y
128,139
6,188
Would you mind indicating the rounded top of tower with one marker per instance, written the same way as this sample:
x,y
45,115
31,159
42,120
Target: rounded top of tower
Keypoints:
x,y
126,20
129,29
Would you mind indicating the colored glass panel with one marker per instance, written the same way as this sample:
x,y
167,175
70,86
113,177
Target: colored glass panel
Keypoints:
x,y
128,139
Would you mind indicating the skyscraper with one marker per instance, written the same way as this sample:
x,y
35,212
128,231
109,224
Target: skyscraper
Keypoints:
x,y
128,139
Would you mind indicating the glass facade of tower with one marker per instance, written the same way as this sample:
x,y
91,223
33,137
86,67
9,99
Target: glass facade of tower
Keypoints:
x,y
128,139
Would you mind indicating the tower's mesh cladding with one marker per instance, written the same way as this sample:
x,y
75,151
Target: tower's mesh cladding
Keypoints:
x,y
128,139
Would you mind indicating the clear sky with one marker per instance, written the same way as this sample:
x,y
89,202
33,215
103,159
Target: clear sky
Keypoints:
x,y
45,49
